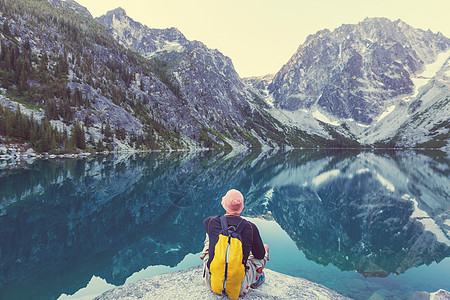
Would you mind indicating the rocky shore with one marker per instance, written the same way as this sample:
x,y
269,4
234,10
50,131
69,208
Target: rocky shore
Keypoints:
x,y
23,151
13,155
188,284
16,155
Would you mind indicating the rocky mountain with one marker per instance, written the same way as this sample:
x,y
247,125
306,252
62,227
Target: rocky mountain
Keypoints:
x,y
205,80
423,121
126,85
60,64
207,83
357,74
113,83
355,71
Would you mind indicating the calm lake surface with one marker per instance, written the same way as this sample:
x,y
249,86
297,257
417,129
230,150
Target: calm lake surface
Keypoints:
x,y
361,223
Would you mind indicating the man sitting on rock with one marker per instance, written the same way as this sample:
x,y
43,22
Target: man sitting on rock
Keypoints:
x,y
254,257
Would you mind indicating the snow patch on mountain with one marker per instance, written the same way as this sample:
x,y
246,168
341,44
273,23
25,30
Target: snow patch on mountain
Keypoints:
x,y
301,119
429,72
361,171
429,224
416,121
318,180
386,183
321,117
168,47
300,174
386,112
429,114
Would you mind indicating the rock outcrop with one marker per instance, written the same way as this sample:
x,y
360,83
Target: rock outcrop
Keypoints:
x,y
188,284
439,295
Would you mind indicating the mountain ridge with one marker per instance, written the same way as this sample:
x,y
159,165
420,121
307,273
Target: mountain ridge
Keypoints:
x,y
376,41
182,94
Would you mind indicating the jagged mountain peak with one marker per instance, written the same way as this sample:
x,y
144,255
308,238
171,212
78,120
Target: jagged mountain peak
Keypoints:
x,y
355,71
378,21
139,37
119,11
119,15
150,42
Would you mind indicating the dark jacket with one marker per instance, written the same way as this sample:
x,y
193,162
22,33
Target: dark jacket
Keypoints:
x,y
251,240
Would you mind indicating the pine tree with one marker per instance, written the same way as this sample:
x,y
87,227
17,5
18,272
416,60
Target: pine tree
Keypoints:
x,y
22,84
43,70
33,131
51,110
78,97
87,121
45,136
69,145
6,29
78,136
26,44
53,141
108,131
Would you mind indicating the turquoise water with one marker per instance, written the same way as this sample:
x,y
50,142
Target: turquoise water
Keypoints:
x,y
361,223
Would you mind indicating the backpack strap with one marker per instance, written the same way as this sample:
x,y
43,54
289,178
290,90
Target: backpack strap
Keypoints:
x,y
225,228
241,226
223,222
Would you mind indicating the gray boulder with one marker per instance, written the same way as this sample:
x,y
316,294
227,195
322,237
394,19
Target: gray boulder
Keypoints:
x,y
188,284
439,295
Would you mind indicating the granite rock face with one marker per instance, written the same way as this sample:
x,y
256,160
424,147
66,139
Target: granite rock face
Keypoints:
x,y
134,35
204,80
355,71
188,284
207,88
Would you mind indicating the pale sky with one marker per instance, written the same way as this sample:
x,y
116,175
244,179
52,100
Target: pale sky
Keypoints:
x,y
261,35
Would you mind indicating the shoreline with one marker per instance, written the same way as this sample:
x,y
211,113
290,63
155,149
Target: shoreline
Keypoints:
x,y
17,155
188,284
23,151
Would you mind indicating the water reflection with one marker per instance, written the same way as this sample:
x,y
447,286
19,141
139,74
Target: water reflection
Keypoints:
x,y
63,221
359,214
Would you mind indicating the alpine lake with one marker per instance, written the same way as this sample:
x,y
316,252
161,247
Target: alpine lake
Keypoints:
x,y
364,223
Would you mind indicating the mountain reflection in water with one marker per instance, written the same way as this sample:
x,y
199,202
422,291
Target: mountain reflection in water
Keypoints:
x,y
63,221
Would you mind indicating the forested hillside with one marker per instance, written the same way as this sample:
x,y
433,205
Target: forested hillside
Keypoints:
x,y
77,82
64,63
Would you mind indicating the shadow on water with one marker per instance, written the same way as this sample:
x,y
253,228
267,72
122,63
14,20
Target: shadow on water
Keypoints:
x,y
63,221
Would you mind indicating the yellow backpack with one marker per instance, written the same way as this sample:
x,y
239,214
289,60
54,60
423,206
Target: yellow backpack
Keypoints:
x,y
227,266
